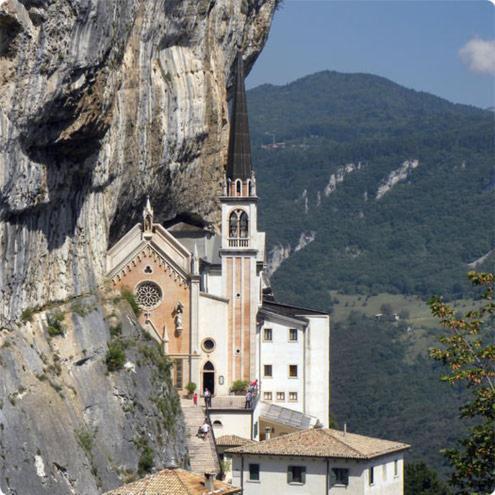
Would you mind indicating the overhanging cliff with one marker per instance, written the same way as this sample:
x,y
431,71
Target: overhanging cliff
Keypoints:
x,y
102,103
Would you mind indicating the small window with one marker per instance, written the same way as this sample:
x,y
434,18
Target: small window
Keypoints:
x,y
372,475
148,269
293,396
396,468
254,472
292,334
217,424
340,476
384,472
296,474
267,396
267,334
238,186
280,396
292,370
267,371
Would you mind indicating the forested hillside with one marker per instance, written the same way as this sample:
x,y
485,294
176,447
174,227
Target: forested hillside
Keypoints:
x,y
371,189
396,187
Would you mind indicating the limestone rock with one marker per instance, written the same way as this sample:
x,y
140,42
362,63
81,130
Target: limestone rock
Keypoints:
x,y
67,425
101,103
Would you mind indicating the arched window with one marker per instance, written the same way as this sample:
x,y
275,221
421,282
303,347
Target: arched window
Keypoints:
x,y
250,187
233,224
238,225
208,366
238,186
243,225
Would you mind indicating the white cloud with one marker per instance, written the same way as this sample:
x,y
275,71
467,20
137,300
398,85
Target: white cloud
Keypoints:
x,y
479,55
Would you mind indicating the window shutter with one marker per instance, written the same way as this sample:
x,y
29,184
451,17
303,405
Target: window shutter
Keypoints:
x,y
333,477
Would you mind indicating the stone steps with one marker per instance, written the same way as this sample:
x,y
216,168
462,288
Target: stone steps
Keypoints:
x,y
202,453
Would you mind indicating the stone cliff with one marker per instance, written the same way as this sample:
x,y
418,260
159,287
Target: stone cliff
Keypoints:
x,y
86,401
101,103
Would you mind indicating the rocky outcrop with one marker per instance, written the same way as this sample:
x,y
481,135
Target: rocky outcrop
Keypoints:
x,y
75,418
396,176
101,103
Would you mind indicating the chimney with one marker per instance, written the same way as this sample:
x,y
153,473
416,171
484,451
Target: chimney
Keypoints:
x,y
209,482
268,432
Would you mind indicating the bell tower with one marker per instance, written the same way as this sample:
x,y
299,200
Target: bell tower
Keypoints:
x,y
242,249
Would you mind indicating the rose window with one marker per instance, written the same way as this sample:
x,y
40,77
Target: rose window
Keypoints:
x,y
148,294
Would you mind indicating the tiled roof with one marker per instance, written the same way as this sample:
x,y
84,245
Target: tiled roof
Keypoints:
x,y
289,310
173,482
232,441
321,442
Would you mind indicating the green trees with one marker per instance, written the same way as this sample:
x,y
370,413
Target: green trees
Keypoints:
x,y
468,350
421,480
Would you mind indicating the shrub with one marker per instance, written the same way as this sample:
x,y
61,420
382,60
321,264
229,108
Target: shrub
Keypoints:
x,y
239,386
85,439
128,295
191,387
27,314
115,357
55,324
116,330
145,464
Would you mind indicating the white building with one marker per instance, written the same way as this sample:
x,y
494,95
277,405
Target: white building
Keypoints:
x,y
205,299
319,461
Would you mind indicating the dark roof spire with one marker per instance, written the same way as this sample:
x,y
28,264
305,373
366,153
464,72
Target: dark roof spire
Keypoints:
x,y
239,159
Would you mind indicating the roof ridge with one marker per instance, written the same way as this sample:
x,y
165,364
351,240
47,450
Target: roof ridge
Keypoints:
x,y
328,433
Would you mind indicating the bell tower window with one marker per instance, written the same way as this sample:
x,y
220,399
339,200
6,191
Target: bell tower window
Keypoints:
x,y
238,229
238,186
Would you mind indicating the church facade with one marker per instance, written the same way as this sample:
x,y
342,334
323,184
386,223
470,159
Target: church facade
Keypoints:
x,y
206,299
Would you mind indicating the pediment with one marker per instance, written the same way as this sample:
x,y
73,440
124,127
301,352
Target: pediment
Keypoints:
x,y
147,251
158,245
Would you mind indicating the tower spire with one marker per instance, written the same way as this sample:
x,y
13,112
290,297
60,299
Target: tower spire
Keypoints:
x,y
239,159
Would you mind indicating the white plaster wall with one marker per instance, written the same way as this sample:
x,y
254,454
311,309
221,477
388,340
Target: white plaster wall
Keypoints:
x,y
234,423
385,481
281,353
214,283
213,324
273,475
318,368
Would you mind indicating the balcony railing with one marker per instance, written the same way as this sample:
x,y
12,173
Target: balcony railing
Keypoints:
x,y
238,242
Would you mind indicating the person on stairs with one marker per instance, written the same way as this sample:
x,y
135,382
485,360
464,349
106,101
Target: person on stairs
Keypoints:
x,y
203,430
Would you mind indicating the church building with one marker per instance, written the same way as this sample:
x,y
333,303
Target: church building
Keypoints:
x,y
206,298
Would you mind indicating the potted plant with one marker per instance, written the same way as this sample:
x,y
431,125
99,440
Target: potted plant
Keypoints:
x,y
239,387
191,388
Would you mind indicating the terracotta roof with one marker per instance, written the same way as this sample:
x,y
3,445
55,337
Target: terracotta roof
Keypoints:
x,y
173,482
232,441
321,442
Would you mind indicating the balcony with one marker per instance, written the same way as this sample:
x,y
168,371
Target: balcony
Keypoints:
x,y
238,243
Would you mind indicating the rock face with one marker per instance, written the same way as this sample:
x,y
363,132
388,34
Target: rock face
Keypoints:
x,y
68,425
101,103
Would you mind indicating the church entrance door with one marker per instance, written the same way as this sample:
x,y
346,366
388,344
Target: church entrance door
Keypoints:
x,y
209,377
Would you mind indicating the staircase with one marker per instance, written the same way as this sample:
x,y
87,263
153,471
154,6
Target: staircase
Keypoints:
x,y
202,453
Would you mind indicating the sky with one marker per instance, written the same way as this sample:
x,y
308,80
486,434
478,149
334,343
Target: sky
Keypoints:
x,y
440,46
